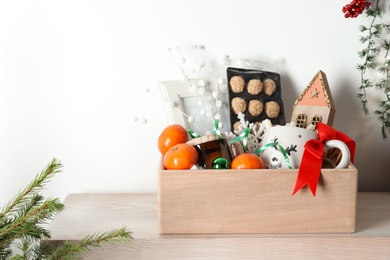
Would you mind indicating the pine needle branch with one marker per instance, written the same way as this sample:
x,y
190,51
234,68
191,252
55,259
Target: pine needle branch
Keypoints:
x,y
68,250
368,55
374,46
37,184
22,218
27,224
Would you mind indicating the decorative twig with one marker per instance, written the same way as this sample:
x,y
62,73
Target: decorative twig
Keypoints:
x,y
375,44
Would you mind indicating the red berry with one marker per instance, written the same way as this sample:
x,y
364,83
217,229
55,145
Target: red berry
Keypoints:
x,y
355,8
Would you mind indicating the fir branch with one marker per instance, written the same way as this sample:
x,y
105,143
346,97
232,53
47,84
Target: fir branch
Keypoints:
x,y
25,247
68,250
21,225
27,224
42,250
383,113
29,204
17,257
368,54
5,252
32,249
37,184
23,216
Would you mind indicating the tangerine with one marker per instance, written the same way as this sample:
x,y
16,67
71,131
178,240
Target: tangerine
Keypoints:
x,y
170,136
180,157
248,161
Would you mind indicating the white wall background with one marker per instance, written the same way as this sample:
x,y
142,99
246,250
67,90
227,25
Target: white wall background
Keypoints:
x,y
73,75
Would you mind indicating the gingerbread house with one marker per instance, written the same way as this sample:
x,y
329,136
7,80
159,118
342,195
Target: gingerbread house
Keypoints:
x,y
315,104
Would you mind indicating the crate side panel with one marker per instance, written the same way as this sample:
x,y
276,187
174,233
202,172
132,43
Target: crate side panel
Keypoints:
x,y
258,201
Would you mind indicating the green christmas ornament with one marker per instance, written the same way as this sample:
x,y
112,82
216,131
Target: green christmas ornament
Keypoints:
x,y
220,163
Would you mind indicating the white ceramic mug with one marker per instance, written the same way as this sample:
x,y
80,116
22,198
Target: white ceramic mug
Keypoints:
x,y
293,140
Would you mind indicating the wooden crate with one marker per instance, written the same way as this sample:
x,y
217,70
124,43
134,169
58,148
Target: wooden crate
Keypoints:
x,y
255,201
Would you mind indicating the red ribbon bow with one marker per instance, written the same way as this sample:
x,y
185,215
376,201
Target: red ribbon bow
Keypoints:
x,y
310,169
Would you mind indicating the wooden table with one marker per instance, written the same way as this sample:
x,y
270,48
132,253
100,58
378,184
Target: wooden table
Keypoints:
x,y
86,214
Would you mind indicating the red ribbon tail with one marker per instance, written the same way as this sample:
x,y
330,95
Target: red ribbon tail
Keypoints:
x,y
310,169
309,172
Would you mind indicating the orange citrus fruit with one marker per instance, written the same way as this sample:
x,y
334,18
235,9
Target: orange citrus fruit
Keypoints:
x,y
248,161
180,157
170,136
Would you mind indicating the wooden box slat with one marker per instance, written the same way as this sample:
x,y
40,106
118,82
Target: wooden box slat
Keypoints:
x,y
255,201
